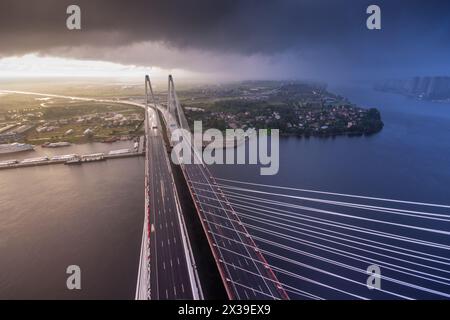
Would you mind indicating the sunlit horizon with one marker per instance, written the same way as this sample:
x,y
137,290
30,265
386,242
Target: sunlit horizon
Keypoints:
x,y
36,66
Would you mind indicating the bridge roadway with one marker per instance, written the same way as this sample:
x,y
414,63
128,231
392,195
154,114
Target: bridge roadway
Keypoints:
x,y
170,274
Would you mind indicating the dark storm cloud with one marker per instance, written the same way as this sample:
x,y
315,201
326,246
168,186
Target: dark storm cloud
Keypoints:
x,y
321,32
246,26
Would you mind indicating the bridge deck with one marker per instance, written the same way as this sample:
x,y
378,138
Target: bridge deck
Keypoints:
x,y
169,275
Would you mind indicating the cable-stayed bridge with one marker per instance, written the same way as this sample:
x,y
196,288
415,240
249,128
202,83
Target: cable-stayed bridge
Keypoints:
x,y
313,244
280,242
244,276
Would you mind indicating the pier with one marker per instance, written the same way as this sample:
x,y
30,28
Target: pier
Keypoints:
x,y
68,159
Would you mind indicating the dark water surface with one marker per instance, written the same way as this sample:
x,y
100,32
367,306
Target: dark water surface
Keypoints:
x,y
53,216
408,159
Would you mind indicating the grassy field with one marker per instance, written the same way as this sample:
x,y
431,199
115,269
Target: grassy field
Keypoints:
x,y
77,136
21,102
38,110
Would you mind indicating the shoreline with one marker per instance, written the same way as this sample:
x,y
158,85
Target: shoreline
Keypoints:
x,y
349,134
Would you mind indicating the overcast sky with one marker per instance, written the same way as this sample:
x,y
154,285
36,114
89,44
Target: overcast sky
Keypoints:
x,y
320,39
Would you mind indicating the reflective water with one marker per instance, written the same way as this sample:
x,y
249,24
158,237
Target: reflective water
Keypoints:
x,y
54,216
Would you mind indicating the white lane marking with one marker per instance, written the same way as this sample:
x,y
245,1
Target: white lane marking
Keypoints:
x,y
162,190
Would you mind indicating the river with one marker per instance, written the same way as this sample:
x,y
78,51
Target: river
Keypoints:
x,y
408,160
54,216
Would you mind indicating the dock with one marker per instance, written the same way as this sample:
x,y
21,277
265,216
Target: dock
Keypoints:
x,y
68,159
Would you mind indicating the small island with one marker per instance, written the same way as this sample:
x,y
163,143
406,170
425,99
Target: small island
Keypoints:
x,y
295,108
